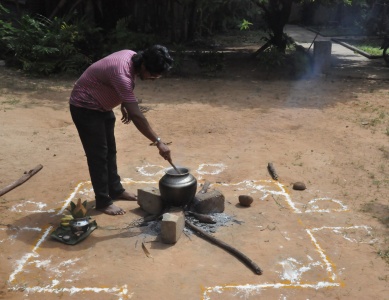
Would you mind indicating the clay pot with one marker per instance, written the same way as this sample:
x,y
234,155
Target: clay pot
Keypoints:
x,y
177,189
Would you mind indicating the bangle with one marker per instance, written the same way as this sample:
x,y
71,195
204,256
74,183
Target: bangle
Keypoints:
x,y
156,142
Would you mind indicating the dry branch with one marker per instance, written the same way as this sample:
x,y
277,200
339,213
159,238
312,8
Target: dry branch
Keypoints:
x,y
21,180
252,265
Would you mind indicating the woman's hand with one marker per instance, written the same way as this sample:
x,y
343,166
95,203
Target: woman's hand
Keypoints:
x,y
164,151
125,116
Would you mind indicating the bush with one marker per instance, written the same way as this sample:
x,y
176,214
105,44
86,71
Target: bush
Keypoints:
x,y
295,63
210,62
63,45
43,46
6,29
121,37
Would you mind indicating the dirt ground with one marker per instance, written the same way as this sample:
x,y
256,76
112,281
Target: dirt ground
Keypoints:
x,y
326,242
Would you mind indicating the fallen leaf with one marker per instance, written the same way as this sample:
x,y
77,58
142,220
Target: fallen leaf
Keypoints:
x,y
146,251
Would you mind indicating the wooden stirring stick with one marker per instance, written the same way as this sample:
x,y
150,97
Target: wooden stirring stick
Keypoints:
x,y
174,167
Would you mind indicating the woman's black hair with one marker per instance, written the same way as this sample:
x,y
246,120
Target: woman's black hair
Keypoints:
x,y
156,59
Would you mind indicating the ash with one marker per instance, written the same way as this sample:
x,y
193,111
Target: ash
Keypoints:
x,y
153,228
221,219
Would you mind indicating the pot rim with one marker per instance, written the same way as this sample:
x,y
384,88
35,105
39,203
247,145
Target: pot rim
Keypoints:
x,y
172,172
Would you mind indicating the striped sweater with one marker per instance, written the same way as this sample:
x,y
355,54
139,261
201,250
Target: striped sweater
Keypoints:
x,y
106,83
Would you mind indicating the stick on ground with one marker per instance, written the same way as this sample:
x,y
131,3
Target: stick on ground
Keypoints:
x,y
247,261
21,180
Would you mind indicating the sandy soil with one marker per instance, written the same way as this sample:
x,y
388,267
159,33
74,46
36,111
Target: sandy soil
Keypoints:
x,y
320,243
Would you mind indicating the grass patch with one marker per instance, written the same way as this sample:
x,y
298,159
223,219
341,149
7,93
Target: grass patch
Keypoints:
x,y
371,46
384,254
11,101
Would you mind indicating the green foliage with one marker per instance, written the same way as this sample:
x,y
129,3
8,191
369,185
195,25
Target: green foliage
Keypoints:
x,y
245,25
295,62
272,58
6,29
284,42
62,45
122,38
384,254
3,9
371,46
43,46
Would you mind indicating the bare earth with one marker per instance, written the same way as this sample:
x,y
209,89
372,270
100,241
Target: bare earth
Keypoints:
x,y
321,243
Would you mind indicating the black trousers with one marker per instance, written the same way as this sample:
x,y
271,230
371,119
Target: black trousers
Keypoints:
x,y
96,131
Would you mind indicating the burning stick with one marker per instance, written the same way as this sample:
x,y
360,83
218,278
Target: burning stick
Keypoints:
x,y
252,265
201,217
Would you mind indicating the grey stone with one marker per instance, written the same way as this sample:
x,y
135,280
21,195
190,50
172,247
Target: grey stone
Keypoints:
x,y
149,199
208,203
172,226
322,56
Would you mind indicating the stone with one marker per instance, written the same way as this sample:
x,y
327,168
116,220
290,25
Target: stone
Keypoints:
x,y
149,199
300,186
208,203
245,200
172,226
322,56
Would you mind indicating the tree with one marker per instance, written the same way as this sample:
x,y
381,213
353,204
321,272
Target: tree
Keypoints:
x,y
276,14
178,20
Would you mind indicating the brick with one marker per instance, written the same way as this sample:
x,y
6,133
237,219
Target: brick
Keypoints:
x,y
208,203
149,199
172,226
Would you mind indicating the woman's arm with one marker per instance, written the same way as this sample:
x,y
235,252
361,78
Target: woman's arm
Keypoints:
x,y
131,112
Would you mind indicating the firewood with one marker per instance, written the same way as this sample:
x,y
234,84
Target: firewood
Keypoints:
x,y
202,218
21,180
252,265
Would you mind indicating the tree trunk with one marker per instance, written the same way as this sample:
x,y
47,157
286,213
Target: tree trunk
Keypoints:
x,y
278,17
173,22
192,20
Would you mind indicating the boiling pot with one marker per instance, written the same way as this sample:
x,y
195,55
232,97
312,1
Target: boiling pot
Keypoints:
x,y
177,189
